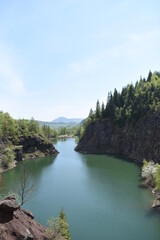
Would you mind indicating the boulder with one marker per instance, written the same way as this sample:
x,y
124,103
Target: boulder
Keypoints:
x,y
9,204
17,224
156,203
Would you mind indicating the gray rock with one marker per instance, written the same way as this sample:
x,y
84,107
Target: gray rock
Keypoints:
x,y
28,213
156,203
9,204
137,142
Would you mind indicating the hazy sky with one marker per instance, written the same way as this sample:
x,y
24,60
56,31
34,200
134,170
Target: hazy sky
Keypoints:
x,y
57,57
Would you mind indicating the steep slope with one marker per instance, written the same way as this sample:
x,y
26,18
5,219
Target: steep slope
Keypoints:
x,y
137,142
129,125
16,223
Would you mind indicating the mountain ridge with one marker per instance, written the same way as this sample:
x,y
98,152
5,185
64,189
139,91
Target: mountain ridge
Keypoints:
x,y
66,120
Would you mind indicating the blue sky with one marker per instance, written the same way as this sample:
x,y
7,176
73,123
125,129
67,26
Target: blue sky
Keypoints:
x,y
57,57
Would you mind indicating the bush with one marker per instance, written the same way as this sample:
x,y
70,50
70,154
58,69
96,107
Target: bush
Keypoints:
x,y
59,227
151,172
7,158
157,177
149,169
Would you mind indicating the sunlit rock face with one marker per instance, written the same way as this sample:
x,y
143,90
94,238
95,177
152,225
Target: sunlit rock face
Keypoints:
x,y
137,142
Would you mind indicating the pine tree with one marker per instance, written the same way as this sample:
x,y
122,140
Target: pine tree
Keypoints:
x,y
98,110
103,110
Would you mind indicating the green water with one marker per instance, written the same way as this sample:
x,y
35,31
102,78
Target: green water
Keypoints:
x,y
99,194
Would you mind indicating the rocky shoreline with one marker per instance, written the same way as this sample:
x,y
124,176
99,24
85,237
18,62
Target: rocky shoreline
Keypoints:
x,y
147,184
26,148
16,223
136,142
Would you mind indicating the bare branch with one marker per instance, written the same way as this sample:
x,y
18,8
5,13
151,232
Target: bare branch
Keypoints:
x,y
27,186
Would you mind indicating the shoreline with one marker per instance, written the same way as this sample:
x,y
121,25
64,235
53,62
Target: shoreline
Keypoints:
x,y
12,165
143,183
28,157
156,202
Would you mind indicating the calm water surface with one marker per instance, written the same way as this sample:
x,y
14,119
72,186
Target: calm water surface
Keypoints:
x,y
99,194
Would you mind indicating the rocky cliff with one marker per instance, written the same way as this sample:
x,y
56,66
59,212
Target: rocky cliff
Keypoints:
x,y
33,146
16,224
137,142
19,224
24,147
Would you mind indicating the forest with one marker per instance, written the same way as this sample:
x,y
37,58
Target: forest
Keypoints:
x,y
132,103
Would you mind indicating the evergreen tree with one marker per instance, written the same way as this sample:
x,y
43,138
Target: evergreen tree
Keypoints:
x,y
149,76
103,110
98,110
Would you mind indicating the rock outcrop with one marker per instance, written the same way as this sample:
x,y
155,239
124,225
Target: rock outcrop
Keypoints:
x,y
156,203
17,224
33,146
137,142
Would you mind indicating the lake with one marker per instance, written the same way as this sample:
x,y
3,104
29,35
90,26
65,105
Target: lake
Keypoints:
x,y
99,194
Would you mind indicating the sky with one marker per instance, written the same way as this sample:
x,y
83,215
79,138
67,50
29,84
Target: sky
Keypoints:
x,y
57,57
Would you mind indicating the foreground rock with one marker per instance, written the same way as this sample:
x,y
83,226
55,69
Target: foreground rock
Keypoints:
x,y
17,224
137,142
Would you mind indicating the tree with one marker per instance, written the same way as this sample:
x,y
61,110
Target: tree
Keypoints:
x,y
157,177
33,126
149,76
98,110
59,227
27,186
91,115
103,110
149,170
8,157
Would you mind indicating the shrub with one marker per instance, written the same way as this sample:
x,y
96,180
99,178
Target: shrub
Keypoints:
x,y
157,177
8,157
59,227
149,169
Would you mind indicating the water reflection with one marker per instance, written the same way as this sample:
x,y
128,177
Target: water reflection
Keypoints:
x,y
99,194
9,181
56,140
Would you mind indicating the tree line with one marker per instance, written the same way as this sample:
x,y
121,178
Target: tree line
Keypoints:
x,y
131,103
13,129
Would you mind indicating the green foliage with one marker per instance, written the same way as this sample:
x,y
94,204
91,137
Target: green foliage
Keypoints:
x,y
80,131
98,110
59,227
157,177
49,132
132,103
8,157
4,195
151,172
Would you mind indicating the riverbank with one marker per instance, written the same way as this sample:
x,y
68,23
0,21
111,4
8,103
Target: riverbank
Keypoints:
x,y
12,165
151,179
106,194
65,136
154,191
17,223
26,147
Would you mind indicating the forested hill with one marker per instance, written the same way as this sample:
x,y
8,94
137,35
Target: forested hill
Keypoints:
x,y
128,123
22,139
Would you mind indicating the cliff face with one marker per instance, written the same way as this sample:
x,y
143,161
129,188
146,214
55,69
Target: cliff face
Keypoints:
x,y
25,147
18,224
137,142
33,146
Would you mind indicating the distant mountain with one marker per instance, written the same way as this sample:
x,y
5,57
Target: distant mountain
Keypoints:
x,y
67,120
62,122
